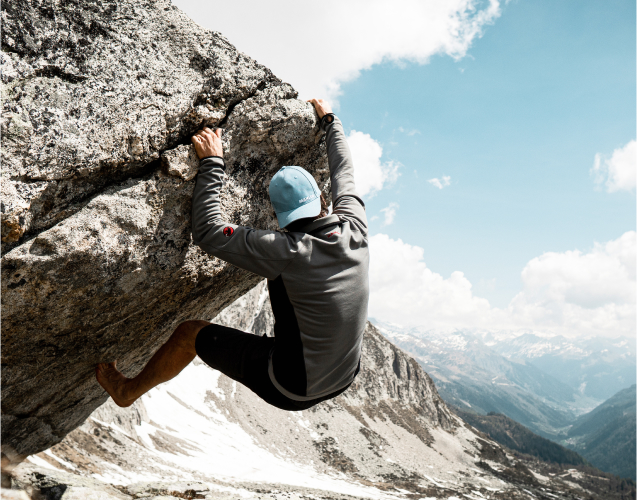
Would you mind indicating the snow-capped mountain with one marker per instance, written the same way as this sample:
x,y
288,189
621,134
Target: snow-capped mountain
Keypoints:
x,y
541,381
596,367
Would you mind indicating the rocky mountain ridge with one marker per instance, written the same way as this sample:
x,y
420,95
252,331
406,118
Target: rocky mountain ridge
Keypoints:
x,y
473,377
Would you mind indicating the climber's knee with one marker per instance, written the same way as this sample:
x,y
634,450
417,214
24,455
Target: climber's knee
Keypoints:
x,y
186,333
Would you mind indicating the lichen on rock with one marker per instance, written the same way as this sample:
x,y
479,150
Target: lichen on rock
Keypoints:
x,y
100,101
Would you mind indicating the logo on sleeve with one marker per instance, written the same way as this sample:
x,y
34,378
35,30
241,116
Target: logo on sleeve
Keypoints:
x,y
228,231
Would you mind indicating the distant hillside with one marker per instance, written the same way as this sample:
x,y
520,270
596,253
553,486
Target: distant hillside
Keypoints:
x,y
515,436
596,367
473,377
606,436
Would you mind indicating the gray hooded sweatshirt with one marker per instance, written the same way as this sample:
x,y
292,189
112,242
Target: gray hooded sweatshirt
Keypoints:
x,y
324,270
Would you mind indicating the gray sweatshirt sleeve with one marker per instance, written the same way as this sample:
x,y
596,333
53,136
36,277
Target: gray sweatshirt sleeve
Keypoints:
x,y
345,199
265,253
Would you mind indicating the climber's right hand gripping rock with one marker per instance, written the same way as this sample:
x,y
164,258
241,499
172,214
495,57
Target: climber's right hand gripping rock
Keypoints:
x,y
208,143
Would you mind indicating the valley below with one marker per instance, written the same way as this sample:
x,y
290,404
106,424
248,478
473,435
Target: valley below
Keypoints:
x,y
559,389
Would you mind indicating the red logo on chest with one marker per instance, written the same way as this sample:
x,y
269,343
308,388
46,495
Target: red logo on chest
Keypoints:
x,y
228,231
333,233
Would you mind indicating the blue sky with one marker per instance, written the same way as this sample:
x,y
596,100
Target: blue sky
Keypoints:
x,y
509,105
516,125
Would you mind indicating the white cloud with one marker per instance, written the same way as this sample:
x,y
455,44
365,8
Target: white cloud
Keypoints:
x,y
570,293
583,292
390,213
440,183
318,47
405,291
370,173
619,173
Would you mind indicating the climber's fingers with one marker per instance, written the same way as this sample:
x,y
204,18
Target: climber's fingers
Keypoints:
x,y
317,106
210,134
321,106
208,142
206,132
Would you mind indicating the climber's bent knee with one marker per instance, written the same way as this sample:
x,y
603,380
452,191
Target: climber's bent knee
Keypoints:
x,y
186,333
231,351
242,357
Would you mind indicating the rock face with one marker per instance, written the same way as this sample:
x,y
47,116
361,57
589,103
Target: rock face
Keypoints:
x,y
100,100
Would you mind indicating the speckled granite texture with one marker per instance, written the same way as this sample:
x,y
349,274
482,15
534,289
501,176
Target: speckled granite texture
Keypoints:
x,y
99,102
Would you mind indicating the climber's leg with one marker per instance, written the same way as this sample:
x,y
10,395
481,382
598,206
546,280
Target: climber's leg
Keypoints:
x,y
244,357
168,361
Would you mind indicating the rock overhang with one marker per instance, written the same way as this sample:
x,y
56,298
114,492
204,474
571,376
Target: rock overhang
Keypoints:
x,y
97,177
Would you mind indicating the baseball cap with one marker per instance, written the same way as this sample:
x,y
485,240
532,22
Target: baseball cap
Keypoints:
x,y
294,195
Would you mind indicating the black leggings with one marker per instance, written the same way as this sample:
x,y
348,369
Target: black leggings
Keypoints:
x,y
244,357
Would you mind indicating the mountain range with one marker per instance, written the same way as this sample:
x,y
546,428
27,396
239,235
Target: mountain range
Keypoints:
x,y
595,367
544,383
516,437
555,387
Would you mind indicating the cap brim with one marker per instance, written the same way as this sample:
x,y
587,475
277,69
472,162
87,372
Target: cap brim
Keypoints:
x,y
311,209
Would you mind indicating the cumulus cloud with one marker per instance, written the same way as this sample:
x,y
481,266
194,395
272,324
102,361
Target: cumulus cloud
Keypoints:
x,y
405,291
570,293
619,173
390,213
370,173
440,183
318,47
583,292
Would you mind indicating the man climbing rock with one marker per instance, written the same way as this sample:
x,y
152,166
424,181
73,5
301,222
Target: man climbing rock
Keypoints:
x,y
317,271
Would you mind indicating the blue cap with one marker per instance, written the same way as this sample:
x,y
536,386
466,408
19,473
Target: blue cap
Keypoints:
x,y
294,195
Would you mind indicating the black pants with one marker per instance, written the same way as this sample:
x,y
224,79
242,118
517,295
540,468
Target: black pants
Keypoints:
x,y
244,357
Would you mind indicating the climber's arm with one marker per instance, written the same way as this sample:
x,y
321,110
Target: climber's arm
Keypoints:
x,y
265,253
346,201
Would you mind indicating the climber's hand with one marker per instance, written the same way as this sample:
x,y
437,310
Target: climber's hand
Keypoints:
x,y
321,106
208,143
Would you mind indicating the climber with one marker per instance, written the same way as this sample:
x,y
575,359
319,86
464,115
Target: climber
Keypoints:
x,y
317,271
